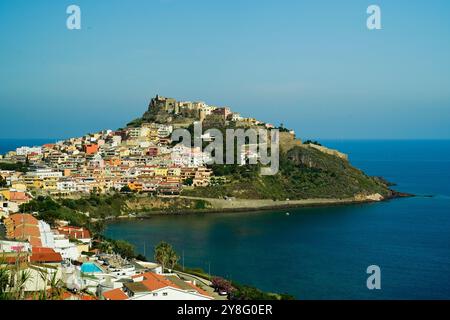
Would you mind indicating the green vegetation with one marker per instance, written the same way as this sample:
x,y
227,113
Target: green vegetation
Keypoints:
x,y
121,247
3,182
14,166
77,211
135,123
243,292
49,210
165,255
199,272
304,173
12,281
188,182
312,142
125,189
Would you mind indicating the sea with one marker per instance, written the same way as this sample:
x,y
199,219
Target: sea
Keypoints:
x,y
325,252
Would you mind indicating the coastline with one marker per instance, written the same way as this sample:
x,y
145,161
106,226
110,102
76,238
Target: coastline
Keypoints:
x,y
255,205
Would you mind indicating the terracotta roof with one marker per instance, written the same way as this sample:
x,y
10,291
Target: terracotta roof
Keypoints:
x,y
18,196
155,281
25,231
35,242
45,255
116,294
71,296
42,250
75,232
26,218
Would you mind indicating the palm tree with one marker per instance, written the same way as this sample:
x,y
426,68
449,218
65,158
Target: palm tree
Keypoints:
x,y
12,281
165,255
50,280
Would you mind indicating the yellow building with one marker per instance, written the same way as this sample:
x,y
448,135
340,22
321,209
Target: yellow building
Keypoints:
x,y
5,193
135,186
174,172
50,183
161,172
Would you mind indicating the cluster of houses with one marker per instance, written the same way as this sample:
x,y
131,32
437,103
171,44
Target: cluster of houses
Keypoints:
x,y
141,158
64,254
107,161
24,233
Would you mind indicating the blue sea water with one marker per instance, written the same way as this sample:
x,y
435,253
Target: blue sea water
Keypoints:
x,y
323,253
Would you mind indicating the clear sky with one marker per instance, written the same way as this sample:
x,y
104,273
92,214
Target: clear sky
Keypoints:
x,y
312,65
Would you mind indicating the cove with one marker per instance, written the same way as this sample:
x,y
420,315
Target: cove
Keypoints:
x,y
323,253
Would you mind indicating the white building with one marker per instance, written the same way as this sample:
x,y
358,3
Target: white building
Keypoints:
x,y
152,286
66,186
67,249
14,246
46,234
44,173
164,131
24,151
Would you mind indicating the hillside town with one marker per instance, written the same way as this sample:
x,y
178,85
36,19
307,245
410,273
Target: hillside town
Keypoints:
x,y
60,263
140,158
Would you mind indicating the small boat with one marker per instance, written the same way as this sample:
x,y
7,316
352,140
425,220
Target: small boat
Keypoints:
x,y
288,214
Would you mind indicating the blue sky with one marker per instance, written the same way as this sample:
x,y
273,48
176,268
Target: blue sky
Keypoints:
x,y
312,65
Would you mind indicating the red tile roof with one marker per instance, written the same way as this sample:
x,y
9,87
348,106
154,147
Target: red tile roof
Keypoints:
x,y
75,232
18,196
116,294
45,255
25,231
24,227
26,218
71,296
153,281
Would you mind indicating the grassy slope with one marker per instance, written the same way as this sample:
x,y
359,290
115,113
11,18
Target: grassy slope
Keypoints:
x,y
304,173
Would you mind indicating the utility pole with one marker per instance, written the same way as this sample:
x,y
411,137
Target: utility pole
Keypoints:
x,y
183,260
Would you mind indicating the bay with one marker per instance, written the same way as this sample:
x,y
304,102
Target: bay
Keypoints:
x,y
323,253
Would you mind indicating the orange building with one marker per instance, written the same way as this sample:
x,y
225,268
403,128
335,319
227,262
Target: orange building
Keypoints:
x,y
23,227
91,148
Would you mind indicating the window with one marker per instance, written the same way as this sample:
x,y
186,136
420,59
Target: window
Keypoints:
x,y
165,294
155,294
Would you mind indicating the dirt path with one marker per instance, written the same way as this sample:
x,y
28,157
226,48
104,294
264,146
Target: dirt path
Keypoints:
x,y
268,203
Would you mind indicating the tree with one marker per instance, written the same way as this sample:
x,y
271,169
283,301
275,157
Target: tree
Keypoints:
x,y
54,284
12,279
124,249
3,183
97,227
189,181
165,255
125,189
312,142
221,284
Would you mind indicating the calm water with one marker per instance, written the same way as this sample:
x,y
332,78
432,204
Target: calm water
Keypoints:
x,y
323,253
